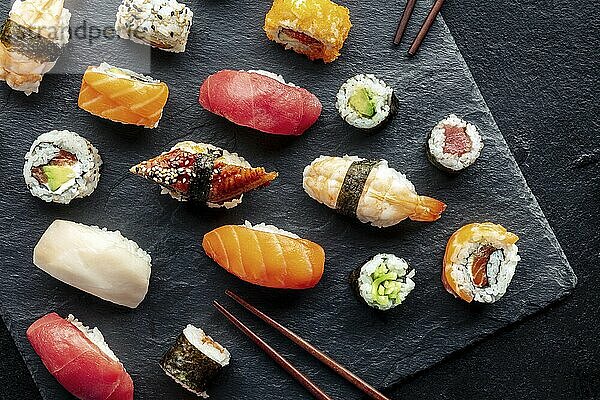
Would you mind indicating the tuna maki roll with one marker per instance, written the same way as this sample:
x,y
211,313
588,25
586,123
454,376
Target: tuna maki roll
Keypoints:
x,y
164,24
195,360
454,144
366,102
383,282
61,166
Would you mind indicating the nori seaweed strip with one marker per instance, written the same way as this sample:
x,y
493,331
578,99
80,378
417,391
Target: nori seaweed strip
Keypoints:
x,y
353,186
203,172
20,39
190,367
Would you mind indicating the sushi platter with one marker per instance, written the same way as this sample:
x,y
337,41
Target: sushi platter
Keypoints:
x,y
372,206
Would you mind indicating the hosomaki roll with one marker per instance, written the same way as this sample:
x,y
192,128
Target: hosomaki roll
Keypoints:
x,y
124,96
266,255
195,360
97,261
79,358
480,262
315,28
369,190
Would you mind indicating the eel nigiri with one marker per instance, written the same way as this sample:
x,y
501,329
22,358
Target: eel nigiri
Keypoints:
x,y
95,260
79,358
260,100
266,255
31,41
480,262
369,190
204,174
124,96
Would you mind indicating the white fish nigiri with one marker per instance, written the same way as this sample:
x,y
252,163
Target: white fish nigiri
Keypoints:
x,y
369,190
97,261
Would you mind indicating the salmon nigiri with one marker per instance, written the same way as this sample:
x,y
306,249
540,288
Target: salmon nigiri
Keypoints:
x,y
266,255
123,96
79,359
260,100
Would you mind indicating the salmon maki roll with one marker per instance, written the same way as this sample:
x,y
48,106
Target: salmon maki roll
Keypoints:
x,y
124,96
480,262
79,358
315,28
265,255
369,190
204,174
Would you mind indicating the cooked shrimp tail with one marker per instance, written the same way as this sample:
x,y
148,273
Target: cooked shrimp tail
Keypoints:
x,y
428,209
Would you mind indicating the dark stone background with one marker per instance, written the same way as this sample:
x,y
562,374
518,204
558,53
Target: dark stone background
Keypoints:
x,y
537,64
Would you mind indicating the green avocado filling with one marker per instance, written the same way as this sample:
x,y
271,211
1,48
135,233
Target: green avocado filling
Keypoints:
x,y
362,102
385,287
58,175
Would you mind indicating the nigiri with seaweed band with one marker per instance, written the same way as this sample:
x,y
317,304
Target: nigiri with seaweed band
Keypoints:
x,y
31,41
195,360
366,102
204,174
124,96
163,24
480,262
383,282
369,190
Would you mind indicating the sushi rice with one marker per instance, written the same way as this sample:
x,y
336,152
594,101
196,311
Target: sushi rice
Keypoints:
x,y
270,229
380,95
385,281
94,335
273,75
86,171
449,161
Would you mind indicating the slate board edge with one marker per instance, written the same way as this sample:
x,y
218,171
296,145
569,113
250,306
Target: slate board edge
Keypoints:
x,y
551,236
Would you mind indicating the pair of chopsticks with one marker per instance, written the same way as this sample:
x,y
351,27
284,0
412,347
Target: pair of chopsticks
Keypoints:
x,y
317,392
406,14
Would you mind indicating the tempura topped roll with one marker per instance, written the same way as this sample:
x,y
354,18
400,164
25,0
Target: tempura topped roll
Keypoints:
x,y
480,262
315,28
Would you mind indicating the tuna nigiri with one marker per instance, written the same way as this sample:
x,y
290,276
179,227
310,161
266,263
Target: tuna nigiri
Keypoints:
x,y
79,359
204,174
260,100
266,255
124,96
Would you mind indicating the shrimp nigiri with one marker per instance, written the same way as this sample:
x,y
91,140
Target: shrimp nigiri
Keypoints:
x,y
79,359
369,190
266,255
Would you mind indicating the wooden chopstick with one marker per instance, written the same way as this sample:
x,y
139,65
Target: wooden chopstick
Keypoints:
x,y
317,392
324,358
414,47
408,10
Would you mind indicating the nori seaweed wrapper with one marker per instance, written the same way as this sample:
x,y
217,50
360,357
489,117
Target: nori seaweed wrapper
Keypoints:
x,y
353,186
203,171
188,366
20,39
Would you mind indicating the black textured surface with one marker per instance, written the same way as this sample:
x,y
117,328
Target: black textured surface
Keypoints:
x,y
580,158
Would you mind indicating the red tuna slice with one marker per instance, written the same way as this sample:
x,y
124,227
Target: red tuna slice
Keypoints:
x,y
77,363
260,102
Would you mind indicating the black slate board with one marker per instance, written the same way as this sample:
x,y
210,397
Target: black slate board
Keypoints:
x,y
430,326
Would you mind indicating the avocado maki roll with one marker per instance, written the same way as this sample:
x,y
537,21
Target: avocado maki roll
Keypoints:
x,y
366,102
454,144
61,166
384,282
195,360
